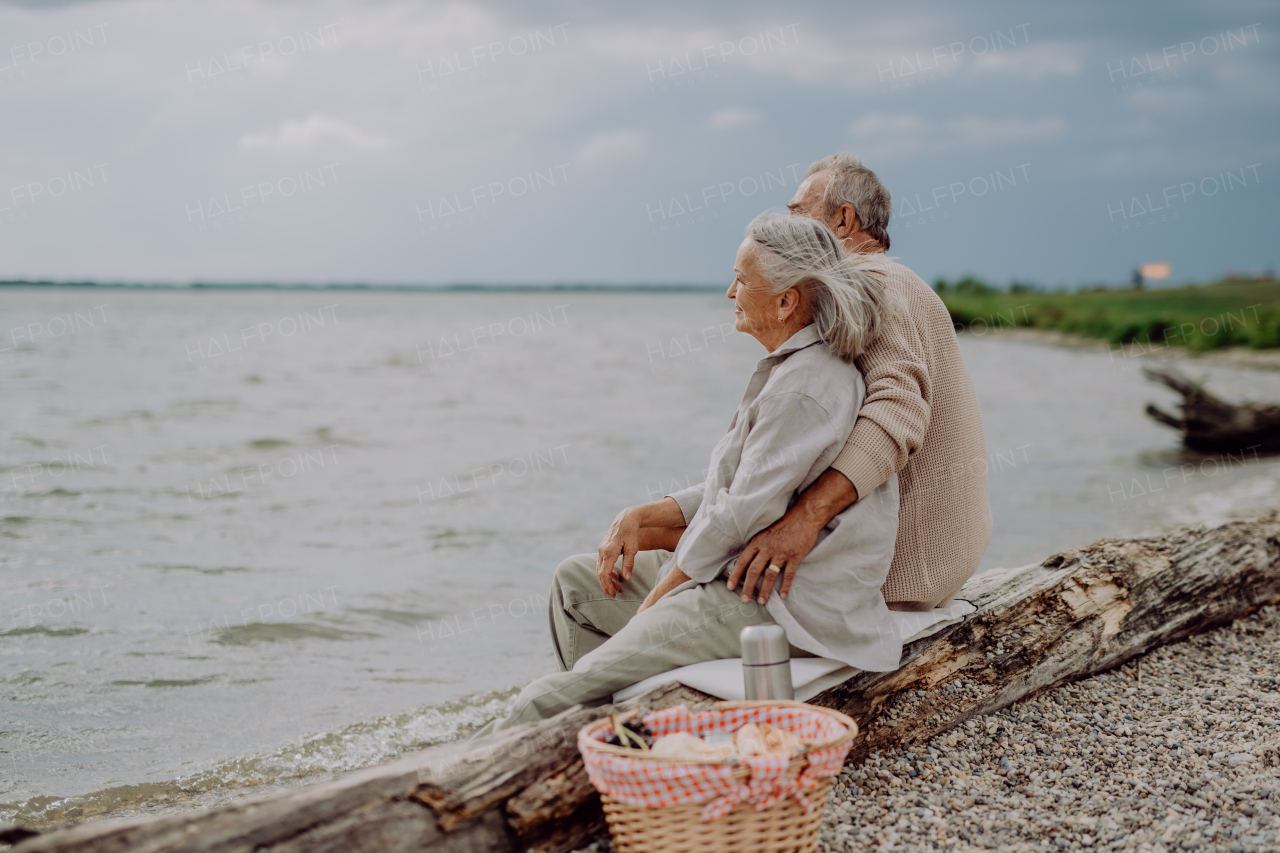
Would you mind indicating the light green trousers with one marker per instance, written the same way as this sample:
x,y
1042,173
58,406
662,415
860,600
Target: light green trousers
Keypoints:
x,y
603,645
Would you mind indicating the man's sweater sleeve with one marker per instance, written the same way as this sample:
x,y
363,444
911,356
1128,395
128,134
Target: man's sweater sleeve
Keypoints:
x,y
895,415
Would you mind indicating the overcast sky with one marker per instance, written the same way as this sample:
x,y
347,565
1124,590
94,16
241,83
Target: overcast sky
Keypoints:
x,y
391,142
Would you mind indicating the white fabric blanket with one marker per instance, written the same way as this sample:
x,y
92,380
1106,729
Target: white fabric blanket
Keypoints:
x,y
809,676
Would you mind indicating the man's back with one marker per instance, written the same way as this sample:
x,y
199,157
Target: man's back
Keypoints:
x,y
945,517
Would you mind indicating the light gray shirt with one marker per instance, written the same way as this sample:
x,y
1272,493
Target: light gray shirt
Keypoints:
x,y
794,419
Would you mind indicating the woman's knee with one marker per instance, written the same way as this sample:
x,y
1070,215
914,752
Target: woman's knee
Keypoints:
x,y
576,573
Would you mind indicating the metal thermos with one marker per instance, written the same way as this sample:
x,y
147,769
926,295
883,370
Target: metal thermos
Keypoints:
x,y
766,662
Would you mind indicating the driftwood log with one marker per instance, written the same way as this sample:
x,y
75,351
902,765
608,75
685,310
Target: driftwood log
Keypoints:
x,y
1211,425
1077,613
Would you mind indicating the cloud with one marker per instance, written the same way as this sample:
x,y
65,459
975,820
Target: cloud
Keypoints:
x,y
977,133
384,81
884,136
1183,102
295,136
1141,126
668,52
1247,80
862,59
1035,61
733,117
897,135
609,147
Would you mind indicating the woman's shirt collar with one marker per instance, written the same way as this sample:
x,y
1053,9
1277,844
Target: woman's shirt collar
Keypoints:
x,y
806,337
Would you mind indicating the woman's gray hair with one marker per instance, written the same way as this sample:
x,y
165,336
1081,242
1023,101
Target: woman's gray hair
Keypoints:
x,y
854,184
845,293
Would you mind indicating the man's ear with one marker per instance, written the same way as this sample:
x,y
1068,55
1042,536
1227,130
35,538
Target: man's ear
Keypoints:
x,y
847,223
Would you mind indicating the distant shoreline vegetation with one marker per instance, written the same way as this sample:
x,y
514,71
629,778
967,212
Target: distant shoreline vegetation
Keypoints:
x,y
1233,312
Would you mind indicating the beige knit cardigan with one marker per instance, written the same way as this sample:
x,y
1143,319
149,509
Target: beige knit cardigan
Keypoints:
x,y
921,420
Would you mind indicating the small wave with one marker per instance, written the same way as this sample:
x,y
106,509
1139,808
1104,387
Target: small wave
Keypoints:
x,y
9,524
274,632
207,570
72,631
399,617
1219,507
53,493
168,682
311,759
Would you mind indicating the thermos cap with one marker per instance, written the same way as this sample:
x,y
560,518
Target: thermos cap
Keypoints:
x,y
764,644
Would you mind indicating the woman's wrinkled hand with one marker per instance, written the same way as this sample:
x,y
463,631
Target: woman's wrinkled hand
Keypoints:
x,y
673,579
622,540
654,596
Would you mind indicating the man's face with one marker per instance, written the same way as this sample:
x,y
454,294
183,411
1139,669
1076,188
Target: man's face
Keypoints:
x,y
808,198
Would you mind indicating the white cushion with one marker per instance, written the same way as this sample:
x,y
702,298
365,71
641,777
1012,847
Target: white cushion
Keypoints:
x,y
809,676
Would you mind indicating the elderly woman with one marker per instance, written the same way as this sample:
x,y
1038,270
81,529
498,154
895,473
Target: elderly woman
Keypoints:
x,y
637,609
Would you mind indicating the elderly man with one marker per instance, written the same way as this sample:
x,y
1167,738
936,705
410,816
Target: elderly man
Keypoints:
x,y
920,420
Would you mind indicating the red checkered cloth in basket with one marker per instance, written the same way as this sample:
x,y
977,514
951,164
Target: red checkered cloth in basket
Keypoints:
x,y
649,783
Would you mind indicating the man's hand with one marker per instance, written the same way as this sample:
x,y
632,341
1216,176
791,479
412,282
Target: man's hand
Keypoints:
x,y
790,539
775,552
674,578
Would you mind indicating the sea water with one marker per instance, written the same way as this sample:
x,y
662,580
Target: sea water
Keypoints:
x,y
251,538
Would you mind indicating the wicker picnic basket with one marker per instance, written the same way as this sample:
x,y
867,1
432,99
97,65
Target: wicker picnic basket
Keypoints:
x,y
715,806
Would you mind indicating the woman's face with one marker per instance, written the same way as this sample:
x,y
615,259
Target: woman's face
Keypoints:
x,y
755,309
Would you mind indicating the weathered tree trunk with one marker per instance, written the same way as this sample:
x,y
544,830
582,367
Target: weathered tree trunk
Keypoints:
x,y
1211,425
1075,614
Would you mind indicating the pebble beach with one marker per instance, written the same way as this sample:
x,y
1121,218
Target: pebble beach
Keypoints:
x,y
1177,750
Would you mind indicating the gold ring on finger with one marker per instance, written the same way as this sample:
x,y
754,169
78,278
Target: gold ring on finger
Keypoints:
x,y
772,568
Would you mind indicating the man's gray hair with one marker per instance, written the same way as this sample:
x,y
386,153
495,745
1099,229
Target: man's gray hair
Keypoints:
x,y
854,184
845,292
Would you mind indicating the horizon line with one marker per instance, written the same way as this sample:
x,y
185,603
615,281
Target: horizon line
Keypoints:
x,y
481,287
456,286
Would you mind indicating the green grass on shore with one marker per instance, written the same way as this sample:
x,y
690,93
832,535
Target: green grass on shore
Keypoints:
x,y
1204,317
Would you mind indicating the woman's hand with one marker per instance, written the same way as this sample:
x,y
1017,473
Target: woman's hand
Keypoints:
x,y
632,531
673,579
622,540
660,538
